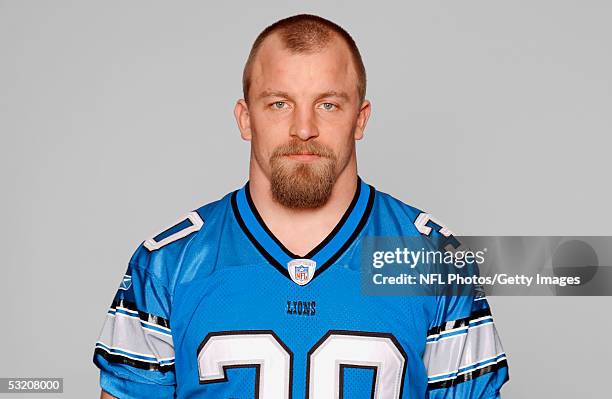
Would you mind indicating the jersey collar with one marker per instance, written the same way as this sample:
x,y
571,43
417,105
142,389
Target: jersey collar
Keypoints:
x,y
326,252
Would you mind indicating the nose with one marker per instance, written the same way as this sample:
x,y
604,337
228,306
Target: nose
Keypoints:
x,y
304,124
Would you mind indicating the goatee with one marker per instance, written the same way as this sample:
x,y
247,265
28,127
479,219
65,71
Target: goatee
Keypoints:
x,y
302,185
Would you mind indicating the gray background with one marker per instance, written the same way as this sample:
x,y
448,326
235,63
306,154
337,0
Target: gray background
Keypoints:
x,y
116,118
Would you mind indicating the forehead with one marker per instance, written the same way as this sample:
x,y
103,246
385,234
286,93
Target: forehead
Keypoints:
x,y
277,68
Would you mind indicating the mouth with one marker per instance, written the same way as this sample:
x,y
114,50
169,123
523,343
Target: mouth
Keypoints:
x,y
303,157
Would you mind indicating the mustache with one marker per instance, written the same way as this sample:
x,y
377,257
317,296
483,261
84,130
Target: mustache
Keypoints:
x,y
301,148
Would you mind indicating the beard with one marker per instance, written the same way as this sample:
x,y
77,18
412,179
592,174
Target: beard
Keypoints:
x,y
302,185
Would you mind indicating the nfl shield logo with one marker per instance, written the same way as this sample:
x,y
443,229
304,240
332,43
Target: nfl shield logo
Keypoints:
x,y
301,270
301,273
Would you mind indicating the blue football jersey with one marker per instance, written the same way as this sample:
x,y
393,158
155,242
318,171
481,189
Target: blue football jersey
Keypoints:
x,y
216,307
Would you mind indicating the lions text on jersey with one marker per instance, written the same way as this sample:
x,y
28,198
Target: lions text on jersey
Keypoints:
x,y
216,307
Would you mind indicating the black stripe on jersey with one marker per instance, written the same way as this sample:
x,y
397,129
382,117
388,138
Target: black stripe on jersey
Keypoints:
x,y
467,376
323,243
259,247
341,223
360,225
247,194
450,325
149,318
320,269
117,358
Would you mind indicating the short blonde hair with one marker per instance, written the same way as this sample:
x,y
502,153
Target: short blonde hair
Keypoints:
x,y
305,33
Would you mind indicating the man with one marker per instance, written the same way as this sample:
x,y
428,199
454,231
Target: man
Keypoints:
x,y
257,295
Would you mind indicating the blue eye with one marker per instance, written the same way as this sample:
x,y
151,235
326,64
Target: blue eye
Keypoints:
x,y
279,104
328,106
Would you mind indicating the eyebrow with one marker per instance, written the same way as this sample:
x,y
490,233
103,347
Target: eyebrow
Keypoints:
x,y
329,93
333,93
273,93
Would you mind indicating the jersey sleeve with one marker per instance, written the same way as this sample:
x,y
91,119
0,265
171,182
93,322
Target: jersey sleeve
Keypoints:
x,y
135,351
464,357
463,354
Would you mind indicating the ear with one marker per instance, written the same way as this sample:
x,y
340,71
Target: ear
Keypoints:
x,y
362,119
243,119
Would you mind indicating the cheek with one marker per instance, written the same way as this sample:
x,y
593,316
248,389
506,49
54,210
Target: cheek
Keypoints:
x,y
342,147
265,140
270,121
269,126
342,123
346,151
340,137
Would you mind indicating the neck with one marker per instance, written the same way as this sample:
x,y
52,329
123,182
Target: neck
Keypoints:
x,y
302,229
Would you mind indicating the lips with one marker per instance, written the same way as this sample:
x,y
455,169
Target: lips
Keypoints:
x,y
304,156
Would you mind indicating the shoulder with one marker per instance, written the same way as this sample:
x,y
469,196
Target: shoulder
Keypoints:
x,y
408,215
161,254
